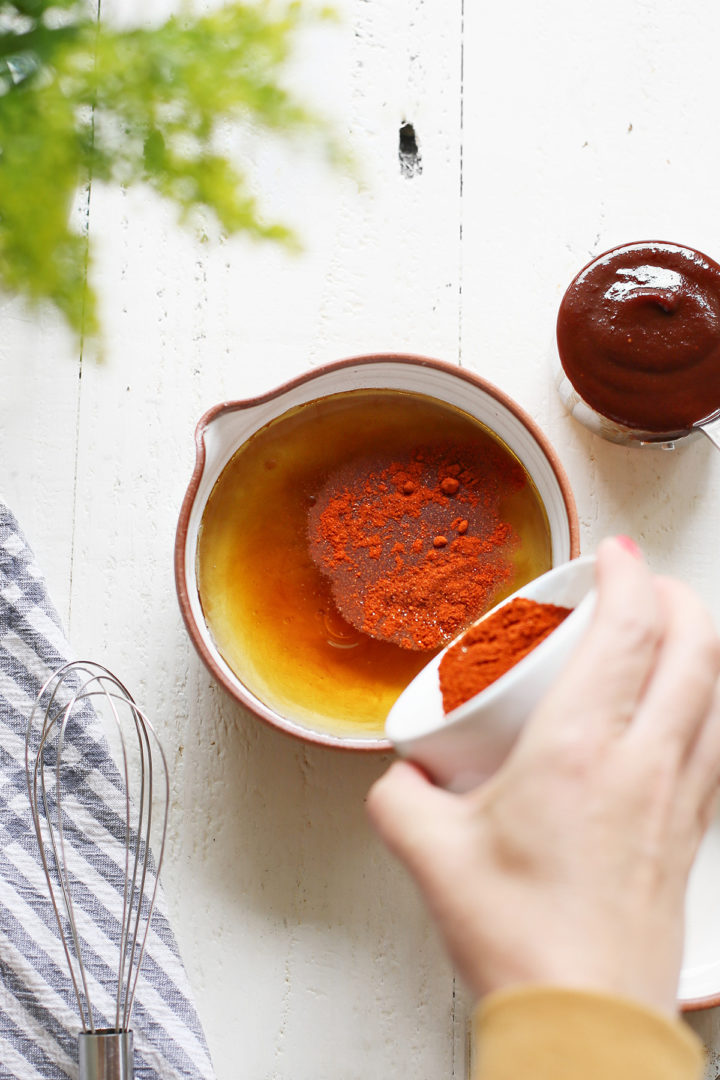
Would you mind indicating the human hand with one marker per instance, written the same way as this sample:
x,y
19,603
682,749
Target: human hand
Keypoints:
x,y
569,866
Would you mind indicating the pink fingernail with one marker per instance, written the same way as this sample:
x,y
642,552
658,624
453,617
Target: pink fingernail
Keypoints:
x,y
630,546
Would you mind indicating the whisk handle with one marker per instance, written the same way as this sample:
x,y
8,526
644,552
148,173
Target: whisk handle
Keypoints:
x,y
106,1054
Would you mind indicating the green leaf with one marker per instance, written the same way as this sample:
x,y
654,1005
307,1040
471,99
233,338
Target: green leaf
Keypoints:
x,y
81,101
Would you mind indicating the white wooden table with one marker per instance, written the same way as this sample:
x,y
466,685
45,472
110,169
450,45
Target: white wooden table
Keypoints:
x,y
547,133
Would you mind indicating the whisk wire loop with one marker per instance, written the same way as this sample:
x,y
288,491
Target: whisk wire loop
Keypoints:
x,y
75,966
58,704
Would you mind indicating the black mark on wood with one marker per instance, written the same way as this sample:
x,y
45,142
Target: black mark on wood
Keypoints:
x,y
409,151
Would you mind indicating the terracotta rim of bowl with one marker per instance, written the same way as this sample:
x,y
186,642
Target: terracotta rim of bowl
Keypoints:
x,y
181,583
700,1003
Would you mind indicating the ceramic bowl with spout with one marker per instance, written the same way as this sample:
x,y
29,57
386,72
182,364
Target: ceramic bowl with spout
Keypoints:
x,y
226,427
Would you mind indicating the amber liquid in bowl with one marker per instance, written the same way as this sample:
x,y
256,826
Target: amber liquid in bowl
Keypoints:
x,y
267,604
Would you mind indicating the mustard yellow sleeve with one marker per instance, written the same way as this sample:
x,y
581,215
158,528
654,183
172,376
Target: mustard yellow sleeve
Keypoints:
x,y
549,1033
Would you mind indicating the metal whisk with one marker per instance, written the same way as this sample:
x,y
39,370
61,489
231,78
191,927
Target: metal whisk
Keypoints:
x,y
52,763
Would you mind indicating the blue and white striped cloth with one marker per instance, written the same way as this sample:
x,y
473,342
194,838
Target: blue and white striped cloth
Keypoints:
x,y
39,1020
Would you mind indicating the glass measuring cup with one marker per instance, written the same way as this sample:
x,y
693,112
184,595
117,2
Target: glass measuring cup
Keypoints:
x,y
626,436
638,345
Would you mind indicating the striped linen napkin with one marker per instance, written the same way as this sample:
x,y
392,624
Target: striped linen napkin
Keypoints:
x,y
39,1019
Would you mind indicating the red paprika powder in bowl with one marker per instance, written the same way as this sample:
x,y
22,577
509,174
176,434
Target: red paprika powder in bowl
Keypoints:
x,y
341,529
493,646
460,723
413,545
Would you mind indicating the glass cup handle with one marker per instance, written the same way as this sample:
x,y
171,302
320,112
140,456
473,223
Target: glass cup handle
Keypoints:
x,y
712,430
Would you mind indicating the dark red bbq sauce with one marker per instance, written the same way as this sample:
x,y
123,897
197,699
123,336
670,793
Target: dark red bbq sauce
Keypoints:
x,y
638,334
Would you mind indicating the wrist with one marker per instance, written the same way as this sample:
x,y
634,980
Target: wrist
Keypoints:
x,y
649,979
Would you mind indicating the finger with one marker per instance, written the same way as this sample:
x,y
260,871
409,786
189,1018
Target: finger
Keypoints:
x,y
409,813
708,811
604,681
701,777
679,694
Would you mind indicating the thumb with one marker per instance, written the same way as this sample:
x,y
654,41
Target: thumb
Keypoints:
x,y
410,814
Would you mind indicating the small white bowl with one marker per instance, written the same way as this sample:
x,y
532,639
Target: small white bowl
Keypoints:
x,y
461,749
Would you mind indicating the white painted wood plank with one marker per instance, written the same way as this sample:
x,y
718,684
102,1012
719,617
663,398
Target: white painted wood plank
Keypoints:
x,y
597,135
584,129
307,947
39,367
